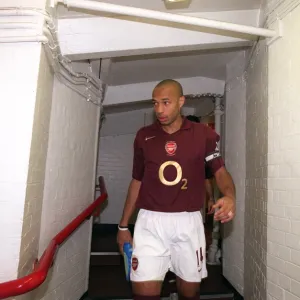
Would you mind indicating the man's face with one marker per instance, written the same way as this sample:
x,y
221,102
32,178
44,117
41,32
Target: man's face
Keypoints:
x,y
167,104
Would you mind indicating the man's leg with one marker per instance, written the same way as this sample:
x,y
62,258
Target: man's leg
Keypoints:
x,y
187,290
188,255
150,258
146,290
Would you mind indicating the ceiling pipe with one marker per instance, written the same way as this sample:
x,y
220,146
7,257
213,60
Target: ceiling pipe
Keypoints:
x,y
164,16
23,39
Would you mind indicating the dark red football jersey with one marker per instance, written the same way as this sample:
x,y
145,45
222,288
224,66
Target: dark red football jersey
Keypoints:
x,y
171,167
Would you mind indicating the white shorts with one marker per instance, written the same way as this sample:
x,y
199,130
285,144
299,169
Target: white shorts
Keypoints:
x,y
168,241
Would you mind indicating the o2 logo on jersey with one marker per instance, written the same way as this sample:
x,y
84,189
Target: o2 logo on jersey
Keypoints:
x,y
171,148
178,178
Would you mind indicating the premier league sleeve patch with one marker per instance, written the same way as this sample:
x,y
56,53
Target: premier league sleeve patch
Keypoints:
x,y
213,155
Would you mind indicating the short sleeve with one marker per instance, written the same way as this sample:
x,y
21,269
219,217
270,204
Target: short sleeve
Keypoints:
x,y
208,172
138,159
213,158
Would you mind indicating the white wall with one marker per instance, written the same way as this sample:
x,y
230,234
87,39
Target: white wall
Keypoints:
x,y
69,188
125,34
283,206
36,173
18,76
272,215
256,177
143,91
116,154
235,154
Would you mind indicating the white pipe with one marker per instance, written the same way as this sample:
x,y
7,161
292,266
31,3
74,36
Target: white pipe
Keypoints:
x,y
22,25
213,250
158,15
218,113
19,12
17,26
23,39
62,70
51,35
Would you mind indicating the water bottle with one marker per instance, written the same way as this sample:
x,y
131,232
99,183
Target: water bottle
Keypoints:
x,y
127,249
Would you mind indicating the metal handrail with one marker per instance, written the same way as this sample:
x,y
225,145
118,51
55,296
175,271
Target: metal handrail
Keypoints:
x,y
37,277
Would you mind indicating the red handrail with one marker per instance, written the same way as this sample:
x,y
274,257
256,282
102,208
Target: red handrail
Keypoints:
x,y
37,277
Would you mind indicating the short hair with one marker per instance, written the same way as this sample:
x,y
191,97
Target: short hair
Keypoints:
x,y
171,82
193,118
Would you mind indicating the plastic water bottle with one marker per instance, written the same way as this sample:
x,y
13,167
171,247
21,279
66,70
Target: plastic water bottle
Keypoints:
x,y
127,249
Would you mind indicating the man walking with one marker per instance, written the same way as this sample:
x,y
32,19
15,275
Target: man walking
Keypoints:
x,y
168,187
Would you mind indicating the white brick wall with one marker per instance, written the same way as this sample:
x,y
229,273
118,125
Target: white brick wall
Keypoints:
x,y
246,157
116,154
69,186
37,166
235,155
256,177
18,76
283,235
271,250
115,164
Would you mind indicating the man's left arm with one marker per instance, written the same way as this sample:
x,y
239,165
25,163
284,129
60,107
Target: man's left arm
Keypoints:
x,y
226,204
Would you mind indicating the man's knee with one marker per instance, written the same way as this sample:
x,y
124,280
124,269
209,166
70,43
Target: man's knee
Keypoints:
x,y
188,290
146,290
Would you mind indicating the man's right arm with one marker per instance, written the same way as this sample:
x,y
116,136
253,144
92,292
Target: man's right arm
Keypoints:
x,y
137,176
124,234
129,207
209,189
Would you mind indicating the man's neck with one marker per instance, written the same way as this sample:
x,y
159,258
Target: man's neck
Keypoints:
x,y
175,126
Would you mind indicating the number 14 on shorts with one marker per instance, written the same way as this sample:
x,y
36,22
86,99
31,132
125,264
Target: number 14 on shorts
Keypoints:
x,y
199,256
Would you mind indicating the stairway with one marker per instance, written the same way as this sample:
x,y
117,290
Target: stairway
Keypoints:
x,y
107,276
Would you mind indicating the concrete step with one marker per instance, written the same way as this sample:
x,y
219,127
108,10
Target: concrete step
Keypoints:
x,y
106,259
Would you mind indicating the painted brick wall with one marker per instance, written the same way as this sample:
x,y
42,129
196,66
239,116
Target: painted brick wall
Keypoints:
x,y
283,230
36,172
256,176
69,188
18,97
235,159
272,233
115,157
116,154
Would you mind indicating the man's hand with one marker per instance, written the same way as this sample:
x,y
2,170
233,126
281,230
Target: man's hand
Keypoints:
x,y
226,209
210,205
123,237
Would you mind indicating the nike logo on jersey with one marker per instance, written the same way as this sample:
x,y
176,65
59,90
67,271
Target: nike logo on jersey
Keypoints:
x,y
149,138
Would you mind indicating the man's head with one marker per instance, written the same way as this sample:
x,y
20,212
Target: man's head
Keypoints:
x,y
167,99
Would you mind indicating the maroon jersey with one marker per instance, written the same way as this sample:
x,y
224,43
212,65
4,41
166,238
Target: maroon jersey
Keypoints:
x,y
171,166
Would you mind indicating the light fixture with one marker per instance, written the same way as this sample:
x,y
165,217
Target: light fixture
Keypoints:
x,y
177,4
173,1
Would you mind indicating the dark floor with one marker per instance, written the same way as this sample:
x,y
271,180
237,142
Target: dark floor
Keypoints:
x,y
108,282
107,275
